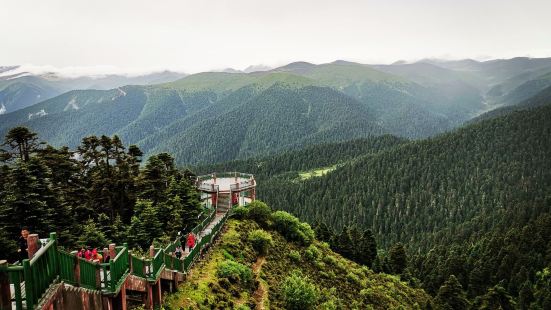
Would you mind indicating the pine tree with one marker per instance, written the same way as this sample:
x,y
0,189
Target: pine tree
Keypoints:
x,y
22,205
525,296
367,249
397,258
495,298
451,295
118,230
92,236
145,225
22,143
323,232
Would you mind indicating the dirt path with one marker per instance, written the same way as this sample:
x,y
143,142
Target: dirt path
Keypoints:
x,y
261,292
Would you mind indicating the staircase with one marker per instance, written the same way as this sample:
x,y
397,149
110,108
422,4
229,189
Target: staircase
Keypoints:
x,y
224,202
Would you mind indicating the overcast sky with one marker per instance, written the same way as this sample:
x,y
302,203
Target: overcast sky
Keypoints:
x,y
200,35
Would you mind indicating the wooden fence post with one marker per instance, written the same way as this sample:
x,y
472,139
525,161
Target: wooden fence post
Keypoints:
x,y
5,292
32,244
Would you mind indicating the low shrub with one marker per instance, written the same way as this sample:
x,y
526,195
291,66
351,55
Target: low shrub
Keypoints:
x,y
353,278
290,227
235,272
261,241
294,256
299,292
240,212
227,255
330,260
259,212
312,253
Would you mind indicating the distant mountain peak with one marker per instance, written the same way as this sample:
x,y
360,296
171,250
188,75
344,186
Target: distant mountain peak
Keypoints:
x,y
297,65
229,70
399,62
257,68
343,62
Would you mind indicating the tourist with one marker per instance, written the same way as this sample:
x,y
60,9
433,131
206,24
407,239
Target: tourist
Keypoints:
x,y
96,257
88,254
178,252
23,250
82,252
190,241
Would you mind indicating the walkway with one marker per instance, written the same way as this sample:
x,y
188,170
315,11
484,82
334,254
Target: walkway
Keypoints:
x,y
30,283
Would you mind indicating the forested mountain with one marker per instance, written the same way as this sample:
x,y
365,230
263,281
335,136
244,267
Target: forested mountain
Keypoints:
x,y
219,116
502,81
540,99
309,101
20,89
528,89
459,95
19,93
473,203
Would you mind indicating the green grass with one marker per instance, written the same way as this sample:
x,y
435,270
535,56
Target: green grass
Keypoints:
x,y
316,172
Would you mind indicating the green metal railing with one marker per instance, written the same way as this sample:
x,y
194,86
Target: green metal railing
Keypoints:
x,y
89,274
118,269
67,262
204,223
41,271
15,274
139,266
50,265
157,264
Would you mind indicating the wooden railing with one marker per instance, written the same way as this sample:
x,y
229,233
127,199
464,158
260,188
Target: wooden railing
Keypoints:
x,y
119,269
243,181
51,265
40,272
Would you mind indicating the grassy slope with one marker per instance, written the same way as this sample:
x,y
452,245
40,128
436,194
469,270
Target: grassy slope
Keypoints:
x,y
338,279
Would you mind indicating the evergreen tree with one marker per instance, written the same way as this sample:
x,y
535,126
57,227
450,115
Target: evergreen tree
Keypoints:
x,y
22,143
495,298
397,258
451,295
92,236
118,230
145,225
367,248
22,205
323,232
525,297
542,289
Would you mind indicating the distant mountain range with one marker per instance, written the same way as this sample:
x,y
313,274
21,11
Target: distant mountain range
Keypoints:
x,y
20,89
217,116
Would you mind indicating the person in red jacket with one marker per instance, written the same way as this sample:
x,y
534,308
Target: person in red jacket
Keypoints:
x,y
190,241
88,254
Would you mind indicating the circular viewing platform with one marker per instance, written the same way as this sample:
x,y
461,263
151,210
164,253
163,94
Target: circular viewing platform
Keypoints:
x,y
226,182
224,190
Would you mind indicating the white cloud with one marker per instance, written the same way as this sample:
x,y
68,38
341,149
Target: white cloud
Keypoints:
x,y
78,71
194,36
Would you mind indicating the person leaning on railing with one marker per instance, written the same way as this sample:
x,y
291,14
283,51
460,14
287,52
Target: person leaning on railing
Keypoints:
x,y
23,250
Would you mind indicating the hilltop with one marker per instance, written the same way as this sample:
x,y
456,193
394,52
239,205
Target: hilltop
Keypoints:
x,y
237,275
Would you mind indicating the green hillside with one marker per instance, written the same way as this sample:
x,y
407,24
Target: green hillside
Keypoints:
x,y
276,119
237,276
473,203
540,99
348,100
22,92
216,116
528,89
